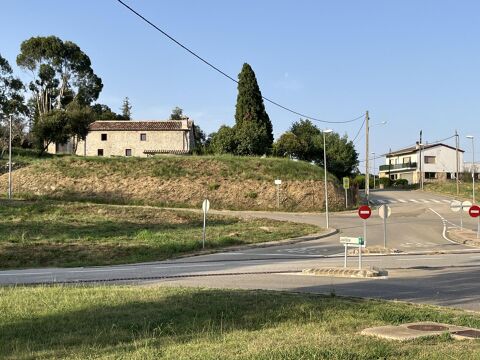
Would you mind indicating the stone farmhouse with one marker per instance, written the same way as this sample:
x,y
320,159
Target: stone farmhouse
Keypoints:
x,y
436,162
133,138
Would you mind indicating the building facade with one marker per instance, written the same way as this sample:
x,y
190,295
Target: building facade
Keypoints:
x,y
133,138
435,162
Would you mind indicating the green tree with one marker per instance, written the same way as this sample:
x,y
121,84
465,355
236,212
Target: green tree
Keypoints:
x,y
288,145
103,112
310,138
79,118
223,141
61,73
126,109
342,158
251,119
177,114
12,103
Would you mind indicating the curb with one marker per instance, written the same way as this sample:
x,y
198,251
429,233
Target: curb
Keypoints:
x,y
263,245
345,272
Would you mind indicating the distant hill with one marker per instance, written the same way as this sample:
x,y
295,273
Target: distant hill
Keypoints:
x,y
229,182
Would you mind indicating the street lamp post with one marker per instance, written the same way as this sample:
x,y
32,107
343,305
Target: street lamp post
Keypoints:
x,y
327,131
10,160
473,167
367,154
374,170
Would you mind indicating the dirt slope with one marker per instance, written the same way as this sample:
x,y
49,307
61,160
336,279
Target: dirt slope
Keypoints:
x,y
229,183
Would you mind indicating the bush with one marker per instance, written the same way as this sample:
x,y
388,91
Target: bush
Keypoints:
x,y
386,182
401,182
359,180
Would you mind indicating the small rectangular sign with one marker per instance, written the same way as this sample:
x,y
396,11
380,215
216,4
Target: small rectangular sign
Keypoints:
x,y
346,183
351,240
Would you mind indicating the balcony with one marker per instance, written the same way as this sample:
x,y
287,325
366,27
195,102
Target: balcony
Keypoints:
x,y
397,167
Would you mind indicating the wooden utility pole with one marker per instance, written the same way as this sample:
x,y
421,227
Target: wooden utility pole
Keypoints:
x,y
367,153
458,164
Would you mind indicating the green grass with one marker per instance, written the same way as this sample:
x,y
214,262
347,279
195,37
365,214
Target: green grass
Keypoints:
x,y
43,233
126,322
450,188
225,166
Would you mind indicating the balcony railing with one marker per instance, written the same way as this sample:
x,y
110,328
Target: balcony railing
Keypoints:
x,y
404,166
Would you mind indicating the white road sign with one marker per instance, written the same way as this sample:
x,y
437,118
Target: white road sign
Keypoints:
x,y
466,205
384,211
206,206
278,182
456,206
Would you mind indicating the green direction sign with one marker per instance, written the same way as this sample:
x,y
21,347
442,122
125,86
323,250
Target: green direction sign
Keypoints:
x,y
346,183
351,240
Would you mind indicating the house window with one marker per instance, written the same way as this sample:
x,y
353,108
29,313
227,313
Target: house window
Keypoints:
x,y
407,160
104,137
430,175
100,152
429,159
128,152
143,137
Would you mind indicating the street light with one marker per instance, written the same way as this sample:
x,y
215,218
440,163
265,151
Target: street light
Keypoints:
x,y
473,166
367,154
326,131
10,158
374,170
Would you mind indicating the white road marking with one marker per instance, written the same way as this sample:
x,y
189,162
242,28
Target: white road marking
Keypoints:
x,y
425,201
20,274
413,200
382,201
402,201
392,201
415,259
444,221
436,201
447,201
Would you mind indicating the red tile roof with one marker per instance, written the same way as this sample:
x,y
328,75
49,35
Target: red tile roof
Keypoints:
x,y
128,125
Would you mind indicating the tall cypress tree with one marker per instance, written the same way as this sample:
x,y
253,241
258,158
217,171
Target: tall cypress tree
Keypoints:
x,y
250,114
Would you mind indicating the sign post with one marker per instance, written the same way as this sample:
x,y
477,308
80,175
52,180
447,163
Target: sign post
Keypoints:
x,y
353,242
205,208
364,212
384,212
346,186
278,182
474,212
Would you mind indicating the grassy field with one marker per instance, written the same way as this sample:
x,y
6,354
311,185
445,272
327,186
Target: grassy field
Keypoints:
x,y
450,188
123,322
43,233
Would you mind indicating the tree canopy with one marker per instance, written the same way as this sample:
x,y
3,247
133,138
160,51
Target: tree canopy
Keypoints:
x,y
126,109
305,142
61,73
252,123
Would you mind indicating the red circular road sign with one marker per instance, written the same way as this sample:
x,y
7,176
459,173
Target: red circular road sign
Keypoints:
x,y
364,212
474,211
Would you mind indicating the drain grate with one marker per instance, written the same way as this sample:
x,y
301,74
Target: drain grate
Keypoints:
x,y
473,334
427,327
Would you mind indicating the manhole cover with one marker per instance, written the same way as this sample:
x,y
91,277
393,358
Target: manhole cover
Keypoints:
x,y
427,327
474,334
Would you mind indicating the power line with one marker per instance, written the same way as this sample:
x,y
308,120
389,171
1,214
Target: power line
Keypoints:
x,y
224,73
358,132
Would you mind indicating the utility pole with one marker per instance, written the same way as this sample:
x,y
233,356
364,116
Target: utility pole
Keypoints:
x,y
457,159
420,161
367,154
10,161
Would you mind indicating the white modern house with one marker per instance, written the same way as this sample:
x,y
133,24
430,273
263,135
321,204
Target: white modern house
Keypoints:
x,y
436,162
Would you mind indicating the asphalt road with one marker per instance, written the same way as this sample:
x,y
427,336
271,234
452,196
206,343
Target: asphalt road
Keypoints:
x,y
418,227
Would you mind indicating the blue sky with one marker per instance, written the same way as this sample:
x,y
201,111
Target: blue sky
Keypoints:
x,y
414,64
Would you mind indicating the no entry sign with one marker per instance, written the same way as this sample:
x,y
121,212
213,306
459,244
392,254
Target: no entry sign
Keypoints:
x,y
364,212
474,211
